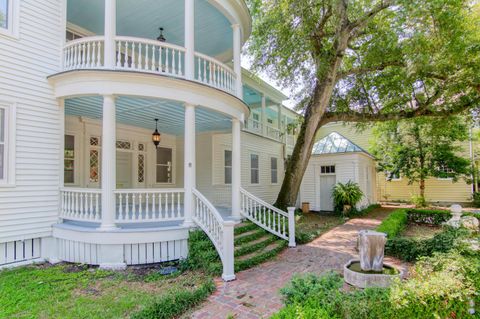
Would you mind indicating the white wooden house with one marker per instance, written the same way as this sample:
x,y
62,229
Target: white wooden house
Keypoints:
x,y
81,84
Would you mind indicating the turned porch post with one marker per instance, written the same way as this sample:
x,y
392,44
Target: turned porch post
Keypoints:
x,y
189,163
189,39
236,168
237,59
110,32
108,163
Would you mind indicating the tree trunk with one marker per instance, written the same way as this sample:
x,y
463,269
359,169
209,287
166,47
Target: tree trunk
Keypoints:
x,y
314,112
422,188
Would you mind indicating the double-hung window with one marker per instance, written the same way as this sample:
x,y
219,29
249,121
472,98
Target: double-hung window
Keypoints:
x,y
274,170
69,160
254,169
228,167
7,145
164,165
9,17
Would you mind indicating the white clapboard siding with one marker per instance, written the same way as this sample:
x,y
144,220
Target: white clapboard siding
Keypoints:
x,y
19,251
28,209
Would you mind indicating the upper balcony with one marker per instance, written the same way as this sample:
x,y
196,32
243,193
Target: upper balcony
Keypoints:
x,y
198,40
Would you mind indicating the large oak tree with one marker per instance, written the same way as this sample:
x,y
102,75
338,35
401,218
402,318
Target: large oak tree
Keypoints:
x,y
366,61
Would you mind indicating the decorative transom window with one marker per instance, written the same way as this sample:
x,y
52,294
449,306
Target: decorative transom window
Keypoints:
x,y
274,170
124,145
327,169
141,147
94,166
254,169
94,141
228,166
9,17
164,165
69,159
141,168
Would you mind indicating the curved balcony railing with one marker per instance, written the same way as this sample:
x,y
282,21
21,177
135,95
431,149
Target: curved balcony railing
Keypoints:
x,y
145,55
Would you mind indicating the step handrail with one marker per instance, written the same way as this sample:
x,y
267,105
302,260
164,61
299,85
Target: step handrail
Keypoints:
x,y
220,231
267,216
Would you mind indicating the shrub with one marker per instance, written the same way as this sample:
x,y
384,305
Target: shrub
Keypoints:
x,y
304,286
173,305
418,201
428,216
476,199
346,194
202,254
363,212
394,223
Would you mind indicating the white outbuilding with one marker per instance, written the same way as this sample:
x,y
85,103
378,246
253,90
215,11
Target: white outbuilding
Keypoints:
x,y
337,159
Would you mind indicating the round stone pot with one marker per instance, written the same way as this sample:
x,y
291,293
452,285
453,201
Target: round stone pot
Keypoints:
x,y
362,280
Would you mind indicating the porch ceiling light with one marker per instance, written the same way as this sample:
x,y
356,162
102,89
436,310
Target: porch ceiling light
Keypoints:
x,y
156,137
161,38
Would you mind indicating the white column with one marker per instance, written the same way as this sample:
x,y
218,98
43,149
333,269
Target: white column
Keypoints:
x,y
189,39
237,59
264,115
236,168
108,163
110,31
189,170
61,155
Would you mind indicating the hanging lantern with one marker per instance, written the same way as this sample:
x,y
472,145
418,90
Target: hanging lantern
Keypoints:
x,y
156,137
161,38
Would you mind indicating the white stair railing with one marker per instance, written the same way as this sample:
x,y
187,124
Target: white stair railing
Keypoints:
x,y
220,232
84,53
149,205
270,218
80,204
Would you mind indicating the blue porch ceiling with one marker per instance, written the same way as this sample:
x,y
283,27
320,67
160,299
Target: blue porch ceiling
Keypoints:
x,y
142,18
141,112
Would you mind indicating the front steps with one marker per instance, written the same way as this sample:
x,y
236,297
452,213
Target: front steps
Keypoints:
x,y
253,246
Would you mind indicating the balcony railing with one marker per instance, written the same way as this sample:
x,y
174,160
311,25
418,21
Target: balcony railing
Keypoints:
x,y
145,55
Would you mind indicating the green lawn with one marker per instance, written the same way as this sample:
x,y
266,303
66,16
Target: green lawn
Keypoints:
x,y
68,291
311,225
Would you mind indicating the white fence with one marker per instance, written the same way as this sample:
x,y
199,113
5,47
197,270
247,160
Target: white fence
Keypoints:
x,y
220,232
214,73
81,204
84,53
149,205
270,218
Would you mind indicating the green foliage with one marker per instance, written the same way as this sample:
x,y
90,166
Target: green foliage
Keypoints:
x,y
260,257
175,304
419,201
249,248
394,223
346,194
428,216
202,254
365,211
476,199
410,249
420,148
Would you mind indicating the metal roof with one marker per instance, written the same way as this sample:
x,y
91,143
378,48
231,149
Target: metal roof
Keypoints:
x,y
335,143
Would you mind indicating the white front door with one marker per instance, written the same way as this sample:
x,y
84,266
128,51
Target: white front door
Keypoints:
x,y
124,170
326,185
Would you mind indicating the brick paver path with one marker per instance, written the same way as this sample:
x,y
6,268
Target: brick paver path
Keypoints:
x,y
255,293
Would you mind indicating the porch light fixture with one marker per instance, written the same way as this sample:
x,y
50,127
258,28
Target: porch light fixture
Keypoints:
x,y
161,38
156,136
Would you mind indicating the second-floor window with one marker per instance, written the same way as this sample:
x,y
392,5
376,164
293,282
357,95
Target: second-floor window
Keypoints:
x,y
254,169
164,165
228,167
9,17
4,13
274,170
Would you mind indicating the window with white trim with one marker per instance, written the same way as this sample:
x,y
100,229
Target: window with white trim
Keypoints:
x,y
254,169
228,166
7,145
445,172
9,17
274,170
69,160
164,165
327,169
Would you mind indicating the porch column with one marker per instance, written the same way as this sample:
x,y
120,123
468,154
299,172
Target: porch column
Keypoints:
x,y
264,115
189,172
189,39
61,155
236,168
108,163
110,31
237,59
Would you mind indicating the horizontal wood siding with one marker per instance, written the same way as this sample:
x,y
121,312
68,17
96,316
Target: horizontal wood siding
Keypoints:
x,y
28,209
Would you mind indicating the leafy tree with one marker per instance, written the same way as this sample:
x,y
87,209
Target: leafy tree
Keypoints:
x,y
421,148
365,61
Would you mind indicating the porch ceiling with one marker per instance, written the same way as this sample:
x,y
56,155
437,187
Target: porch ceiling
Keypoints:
x,y
142,18
141,112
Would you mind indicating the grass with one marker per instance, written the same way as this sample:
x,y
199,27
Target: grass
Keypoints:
x,y
420,231
69,291
311,225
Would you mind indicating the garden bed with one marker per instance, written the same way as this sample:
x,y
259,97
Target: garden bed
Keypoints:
x,y
309,226
420,231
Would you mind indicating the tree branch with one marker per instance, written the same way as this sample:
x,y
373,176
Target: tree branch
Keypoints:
x,y
363,70
362,21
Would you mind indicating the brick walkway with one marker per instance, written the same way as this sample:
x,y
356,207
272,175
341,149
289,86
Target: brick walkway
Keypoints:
x,y
255,293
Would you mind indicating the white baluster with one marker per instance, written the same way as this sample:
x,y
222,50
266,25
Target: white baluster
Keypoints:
x,y
140,56
125,56
167,61
119,53
167,213
152,67
173,203
133,65
160,213
205,79
147,52
178,205
147,207
120,205
127,207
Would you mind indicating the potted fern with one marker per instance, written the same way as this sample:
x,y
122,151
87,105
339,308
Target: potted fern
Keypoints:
x,y
346,196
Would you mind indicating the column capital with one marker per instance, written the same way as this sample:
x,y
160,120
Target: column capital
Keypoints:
x,y
189,105
235,26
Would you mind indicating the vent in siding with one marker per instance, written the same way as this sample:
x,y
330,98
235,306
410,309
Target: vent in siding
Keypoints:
x,y
19,251
77,252
139,254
